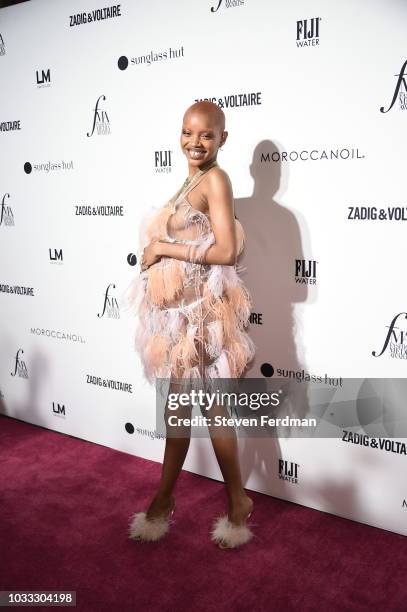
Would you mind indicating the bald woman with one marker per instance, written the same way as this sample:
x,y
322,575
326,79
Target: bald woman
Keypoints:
x,y
193,312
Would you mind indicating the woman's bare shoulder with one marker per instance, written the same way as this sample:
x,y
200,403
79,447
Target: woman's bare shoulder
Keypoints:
x,y
218,178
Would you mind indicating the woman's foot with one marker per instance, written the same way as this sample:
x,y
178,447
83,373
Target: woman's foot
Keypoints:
x,y
160,507
231,531
152,525
240,510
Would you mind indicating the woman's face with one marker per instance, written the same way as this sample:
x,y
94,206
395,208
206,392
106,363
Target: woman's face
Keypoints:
x,y
201,138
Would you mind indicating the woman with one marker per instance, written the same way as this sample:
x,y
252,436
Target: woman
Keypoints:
x,y
193,309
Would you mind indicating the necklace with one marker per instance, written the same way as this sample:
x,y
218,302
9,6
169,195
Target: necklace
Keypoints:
x,y
197,174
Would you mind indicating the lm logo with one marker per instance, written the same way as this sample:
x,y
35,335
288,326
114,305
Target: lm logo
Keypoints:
x,y
58,409
56,255
44,79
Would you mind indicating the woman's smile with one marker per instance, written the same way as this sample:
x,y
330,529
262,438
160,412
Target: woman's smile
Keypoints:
x,y
196,153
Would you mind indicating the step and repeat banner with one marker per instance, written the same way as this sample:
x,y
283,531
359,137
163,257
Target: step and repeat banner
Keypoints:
x,y
315,98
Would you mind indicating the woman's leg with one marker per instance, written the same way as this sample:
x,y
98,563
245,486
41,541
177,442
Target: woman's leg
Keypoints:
x,y
176,449
225,446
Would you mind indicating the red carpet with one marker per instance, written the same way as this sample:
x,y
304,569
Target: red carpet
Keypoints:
x,y
65,505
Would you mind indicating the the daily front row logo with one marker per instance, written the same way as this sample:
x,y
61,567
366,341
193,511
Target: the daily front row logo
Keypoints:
x,y
110,305
6,212
226,4
101,122
400,91
395,341
20,367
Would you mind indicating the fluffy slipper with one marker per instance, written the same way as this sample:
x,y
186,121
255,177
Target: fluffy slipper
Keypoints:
x,y
229,535
148,530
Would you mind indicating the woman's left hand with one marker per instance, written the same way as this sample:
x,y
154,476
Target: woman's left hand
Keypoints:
x,y
150,254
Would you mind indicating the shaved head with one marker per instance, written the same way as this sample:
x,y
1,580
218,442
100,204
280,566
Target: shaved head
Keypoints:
x,y
215,114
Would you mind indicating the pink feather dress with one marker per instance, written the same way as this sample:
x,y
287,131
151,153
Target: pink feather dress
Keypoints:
x,y
192,317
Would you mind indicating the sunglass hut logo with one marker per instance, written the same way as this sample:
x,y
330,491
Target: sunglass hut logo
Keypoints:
x,y
395,341
101,121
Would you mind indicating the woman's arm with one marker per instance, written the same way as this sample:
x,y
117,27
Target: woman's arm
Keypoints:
x,y
219,196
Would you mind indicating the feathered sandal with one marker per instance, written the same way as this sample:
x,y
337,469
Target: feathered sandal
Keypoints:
x,y
149,530
227,535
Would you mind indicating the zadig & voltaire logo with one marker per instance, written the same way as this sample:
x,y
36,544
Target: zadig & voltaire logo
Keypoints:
x,y
400,91
110,305
396,342
99,210
10,126
387,444
108,12
372,213
227,4
100,120
20,367
235,100
6,212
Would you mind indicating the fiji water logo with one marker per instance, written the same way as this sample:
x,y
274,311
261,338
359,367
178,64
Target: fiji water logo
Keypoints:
x,y
308,32
400,91
163,161
306,271
288,471
110,304
6,212
101,121
20,367
395,341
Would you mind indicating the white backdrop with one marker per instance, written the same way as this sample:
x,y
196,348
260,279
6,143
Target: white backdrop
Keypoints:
x,y
308,156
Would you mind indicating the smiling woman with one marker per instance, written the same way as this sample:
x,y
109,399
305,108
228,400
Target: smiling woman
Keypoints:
x,y
193,310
